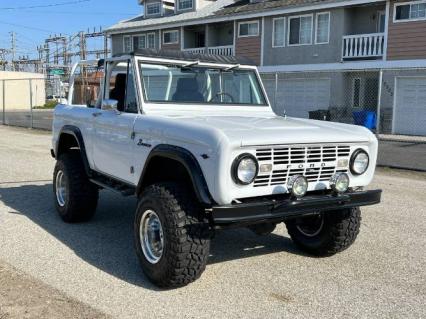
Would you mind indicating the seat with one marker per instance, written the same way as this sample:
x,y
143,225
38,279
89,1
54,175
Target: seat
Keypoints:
x,y
119,91
187,91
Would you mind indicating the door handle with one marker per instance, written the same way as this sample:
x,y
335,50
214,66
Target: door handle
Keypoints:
x,y
96,114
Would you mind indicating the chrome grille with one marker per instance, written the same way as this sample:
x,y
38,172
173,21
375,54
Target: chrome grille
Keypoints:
x,y
316,162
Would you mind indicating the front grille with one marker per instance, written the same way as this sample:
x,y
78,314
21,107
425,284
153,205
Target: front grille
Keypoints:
x,y
316,162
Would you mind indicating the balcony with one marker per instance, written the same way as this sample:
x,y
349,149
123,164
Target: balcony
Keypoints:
x,y
363,46
215,38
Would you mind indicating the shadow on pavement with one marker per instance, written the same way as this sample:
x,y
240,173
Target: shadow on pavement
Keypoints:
x,y
106,242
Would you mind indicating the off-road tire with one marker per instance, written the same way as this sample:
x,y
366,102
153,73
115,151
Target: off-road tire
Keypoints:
x,y
186,235
81,194
339,231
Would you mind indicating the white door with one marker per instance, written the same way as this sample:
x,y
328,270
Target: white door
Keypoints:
x,y
410,106
300,96
113,144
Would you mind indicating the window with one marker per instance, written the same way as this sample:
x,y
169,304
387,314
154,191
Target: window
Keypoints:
x,y
410,11
356,93
171,37
381,21
139,42
151,41
248,29
300,30
200,85
131,104
127,44
153,8
184,4
323,28
121,87
278,30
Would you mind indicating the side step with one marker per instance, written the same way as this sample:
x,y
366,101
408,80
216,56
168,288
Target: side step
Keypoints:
x,y
112,184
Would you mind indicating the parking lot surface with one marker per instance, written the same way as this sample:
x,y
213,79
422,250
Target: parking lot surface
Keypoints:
x,y
383,275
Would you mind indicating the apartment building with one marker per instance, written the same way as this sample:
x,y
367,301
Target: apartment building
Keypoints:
x,y
342,56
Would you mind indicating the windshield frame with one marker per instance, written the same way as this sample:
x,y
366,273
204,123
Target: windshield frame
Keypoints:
x,y
170,62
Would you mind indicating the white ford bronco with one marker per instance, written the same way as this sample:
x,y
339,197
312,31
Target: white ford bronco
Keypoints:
x,y
195,139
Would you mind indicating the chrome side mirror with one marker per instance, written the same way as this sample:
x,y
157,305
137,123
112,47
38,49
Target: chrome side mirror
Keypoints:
x,y
109,105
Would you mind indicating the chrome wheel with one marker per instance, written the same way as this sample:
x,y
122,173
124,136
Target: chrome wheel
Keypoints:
x,y
61,190
151,236
311,226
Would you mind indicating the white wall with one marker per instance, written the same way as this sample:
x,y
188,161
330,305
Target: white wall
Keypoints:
x,y
17,90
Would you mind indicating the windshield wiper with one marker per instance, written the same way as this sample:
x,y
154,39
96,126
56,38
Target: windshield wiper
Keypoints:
x,y
236,66
190,64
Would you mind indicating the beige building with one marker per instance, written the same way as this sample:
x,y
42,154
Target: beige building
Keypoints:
x,y
21,89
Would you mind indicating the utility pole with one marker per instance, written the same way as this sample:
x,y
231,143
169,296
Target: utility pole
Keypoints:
x,y
13,50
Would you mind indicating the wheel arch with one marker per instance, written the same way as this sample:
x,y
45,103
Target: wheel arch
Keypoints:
x,y
71,137
175,155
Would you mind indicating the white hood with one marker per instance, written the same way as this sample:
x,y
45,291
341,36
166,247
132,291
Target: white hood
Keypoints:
x,y
263,127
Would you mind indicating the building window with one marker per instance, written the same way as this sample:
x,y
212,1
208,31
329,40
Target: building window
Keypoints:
x,y
184,4
248,29
127,44
171,37
322,28
153,8
300,30
278,30
356,102
139,42
151,41
410,11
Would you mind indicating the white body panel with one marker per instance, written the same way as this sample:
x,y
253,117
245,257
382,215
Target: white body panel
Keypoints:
x,y
222,132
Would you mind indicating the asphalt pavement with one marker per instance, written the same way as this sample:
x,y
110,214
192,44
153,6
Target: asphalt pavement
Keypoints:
x,y
381,276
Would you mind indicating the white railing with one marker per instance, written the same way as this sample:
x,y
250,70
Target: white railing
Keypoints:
x,y
363,45
195,50
221,50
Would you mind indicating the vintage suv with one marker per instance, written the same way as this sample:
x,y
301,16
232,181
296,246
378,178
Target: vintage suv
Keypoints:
x,y
195,139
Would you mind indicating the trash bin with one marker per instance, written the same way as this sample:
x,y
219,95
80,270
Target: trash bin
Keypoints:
x,y
323,115
365,118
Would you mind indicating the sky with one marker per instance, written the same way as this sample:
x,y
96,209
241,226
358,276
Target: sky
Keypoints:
x,y
35,20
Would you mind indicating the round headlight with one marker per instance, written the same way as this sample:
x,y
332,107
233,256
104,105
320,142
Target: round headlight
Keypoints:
x,y
359,162
339,182
298,185
244,169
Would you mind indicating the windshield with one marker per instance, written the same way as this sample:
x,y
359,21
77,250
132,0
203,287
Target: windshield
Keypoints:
x,y
200,85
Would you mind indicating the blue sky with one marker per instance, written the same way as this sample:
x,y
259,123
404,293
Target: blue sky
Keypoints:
x,y
33,25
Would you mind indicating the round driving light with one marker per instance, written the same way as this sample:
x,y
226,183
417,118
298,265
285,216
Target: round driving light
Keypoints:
x,y
359,162
298,185
339,182
245,169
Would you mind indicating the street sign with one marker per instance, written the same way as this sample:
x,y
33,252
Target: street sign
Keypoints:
x,y
56,72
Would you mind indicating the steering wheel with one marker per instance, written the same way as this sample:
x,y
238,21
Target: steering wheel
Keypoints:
x,y
218,94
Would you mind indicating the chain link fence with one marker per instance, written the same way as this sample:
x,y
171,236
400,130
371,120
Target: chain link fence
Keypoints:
x,y
29,102
391,103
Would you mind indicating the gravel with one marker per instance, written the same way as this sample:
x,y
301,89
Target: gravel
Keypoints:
x,y
381,276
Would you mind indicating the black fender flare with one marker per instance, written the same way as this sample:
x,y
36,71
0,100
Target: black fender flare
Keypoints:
x,y
76,133
188,160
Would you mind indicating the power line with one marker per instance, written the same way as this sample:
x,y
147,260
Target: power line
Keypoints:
x,y
45,5
25,26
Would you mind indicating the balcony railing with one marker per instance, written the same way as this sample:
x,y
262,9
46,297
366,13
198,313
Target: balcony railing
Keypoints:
x,y
195,50
363,46
220,50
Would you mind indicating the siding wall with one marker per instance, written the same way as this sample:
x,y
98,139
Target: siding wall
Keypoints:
x,y
406,40
249,47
